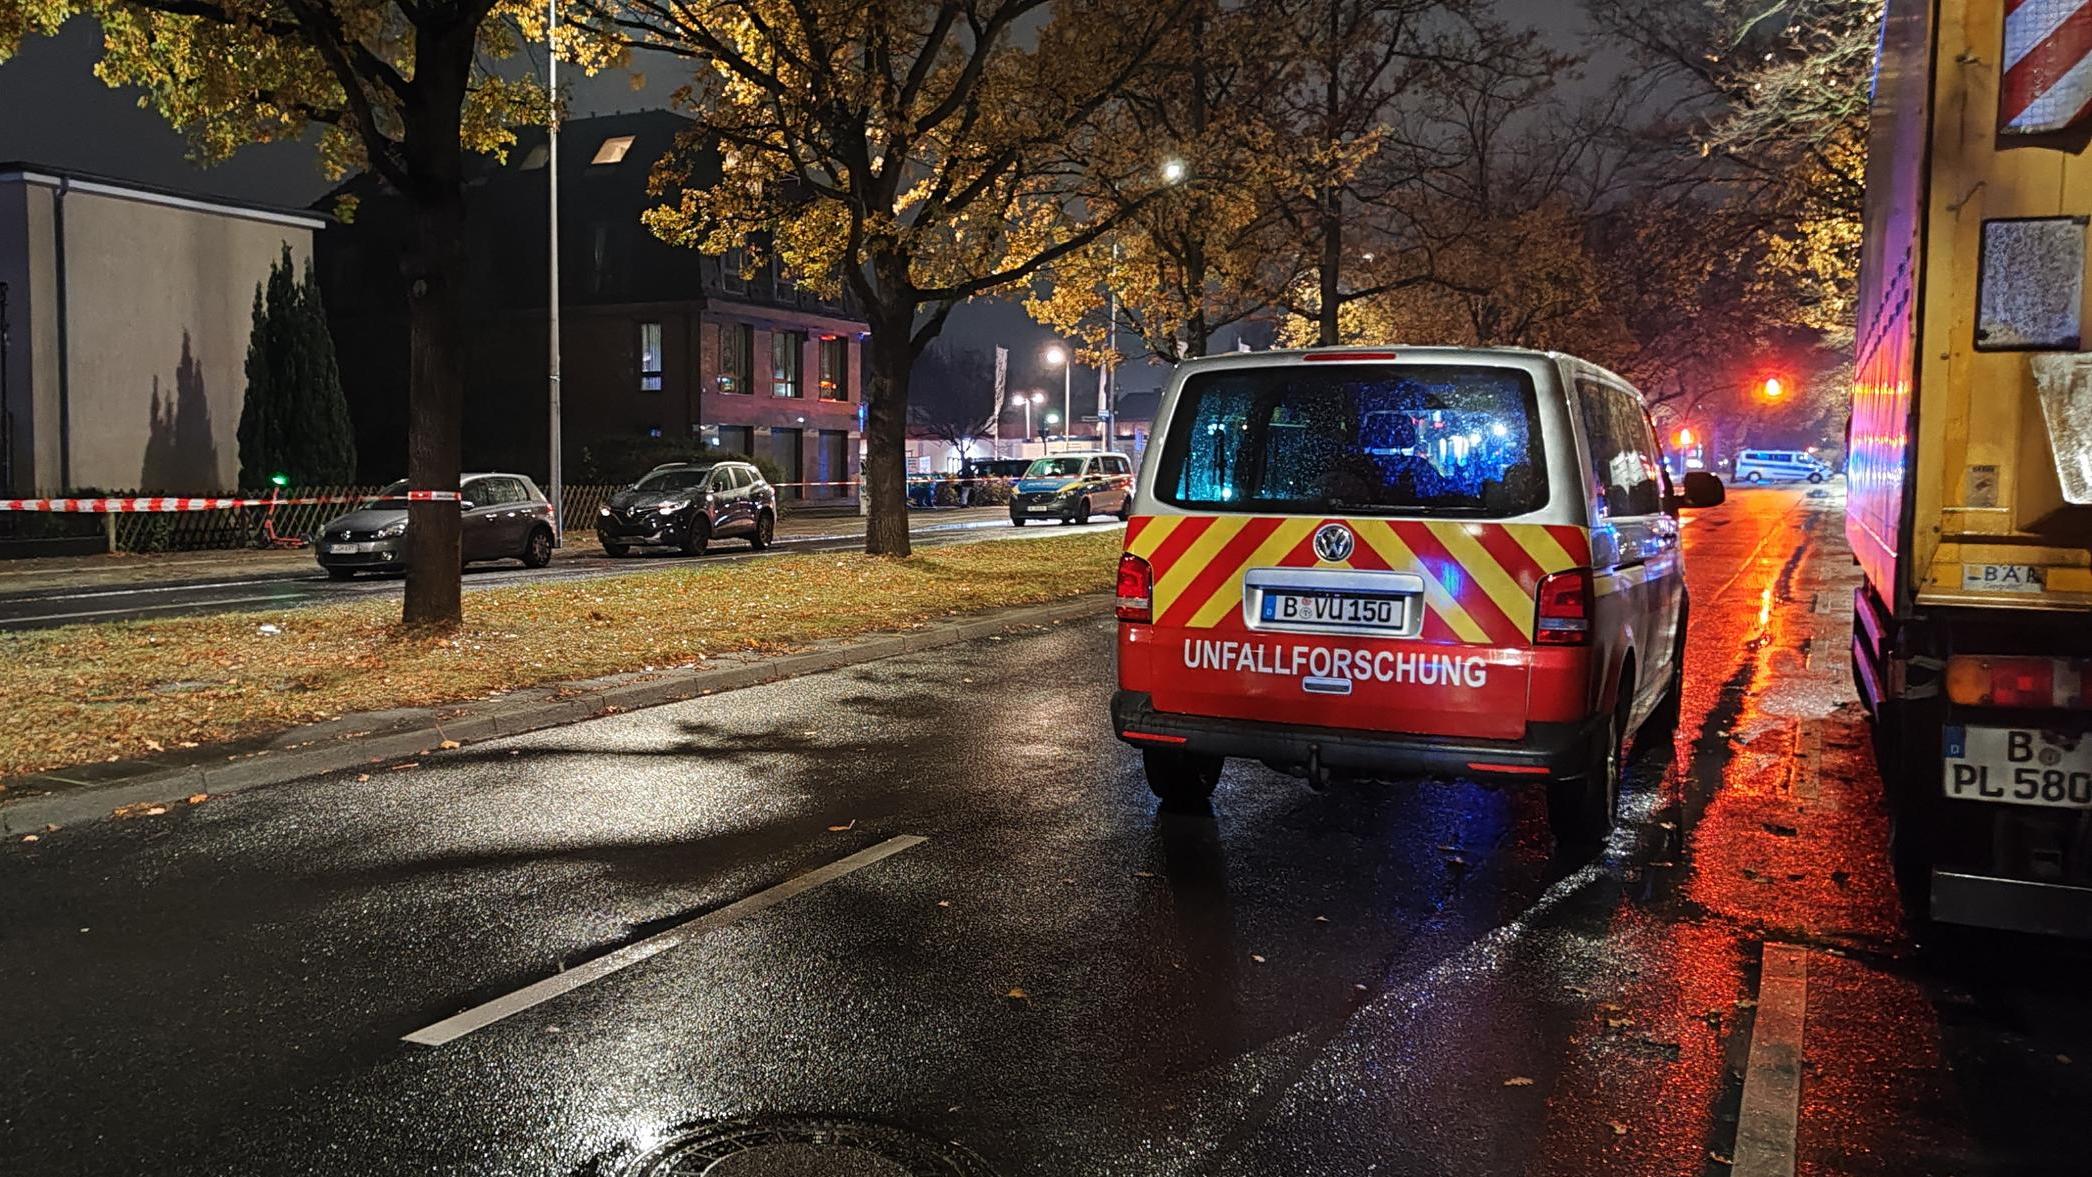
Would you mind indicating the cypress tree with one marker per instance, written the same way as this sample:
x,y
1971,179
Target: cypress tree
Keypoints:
x,y
294,419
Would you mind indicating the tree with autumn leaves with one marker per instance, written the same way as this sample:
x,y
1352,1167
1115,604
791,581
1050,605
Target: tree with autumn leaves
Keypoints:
x,y
914,154
403,88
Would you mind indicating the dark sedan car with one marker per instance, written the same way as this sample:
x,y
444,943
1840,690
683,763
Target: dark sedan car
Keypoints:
x,y
503,517
687,506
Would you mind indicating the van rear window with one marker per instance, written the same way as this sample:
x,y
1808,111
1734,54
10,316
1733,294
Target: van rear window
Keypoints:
x,y
1326,439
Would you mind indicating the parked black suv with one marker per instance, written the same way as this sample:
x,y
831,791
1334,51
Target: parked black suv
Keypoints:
x,y
686,505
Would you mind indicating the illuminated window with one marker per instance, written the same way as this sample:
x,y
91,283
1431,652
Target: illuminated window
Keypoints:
x,y
736,353
613,150
835,369
786,347
650,357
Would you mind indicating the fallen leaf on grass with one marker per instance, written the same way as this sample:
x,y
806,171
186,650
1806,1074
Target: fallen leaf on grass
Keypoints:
x,y
944,903
1321,919
198,798
155,746
2064,1059
362,777
1253,956
138,809
449,745
30,838
1518,1081
1618,1128
848,825
1143,874
1719,1159
1017,995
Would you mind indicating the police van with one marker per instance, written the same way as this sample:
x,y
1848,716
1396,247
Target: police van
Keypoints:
x,y
1780,466
1364,562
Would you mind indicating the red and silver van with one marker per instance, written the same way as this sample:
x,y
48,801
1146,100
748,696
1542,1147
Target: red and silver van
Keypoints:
x,y
1383,562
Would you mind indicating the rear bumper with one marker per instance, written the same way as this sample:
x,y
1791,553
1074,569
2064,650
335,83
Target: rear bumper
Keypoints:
x,y
2016,905
1548,749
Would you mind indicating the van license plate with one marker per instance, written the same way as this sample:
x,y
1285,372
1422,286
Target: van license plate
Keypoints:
x,y
2018,766
1345,610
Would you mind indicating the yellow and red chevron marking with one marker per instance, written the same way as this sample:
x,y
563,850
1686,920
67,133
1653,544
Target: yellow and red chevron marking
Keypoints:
x,y
1478,577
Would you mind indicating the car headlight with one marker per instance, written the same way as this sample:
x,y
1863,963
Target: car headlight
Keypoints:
x,y
1065,491
394,531
670,508
603,512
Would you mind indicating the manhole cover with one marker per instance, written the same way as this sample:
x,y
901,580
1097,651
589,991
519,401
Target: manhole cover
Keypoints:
x,y
804,1146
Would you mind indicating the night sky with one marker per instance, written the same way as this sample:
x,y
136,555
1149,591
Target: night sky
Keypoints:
x,y
57,113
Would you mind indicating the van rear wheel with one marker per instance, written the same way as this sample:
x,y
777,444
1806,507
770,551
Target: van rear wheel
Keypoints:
x,y
1180,778
1581,809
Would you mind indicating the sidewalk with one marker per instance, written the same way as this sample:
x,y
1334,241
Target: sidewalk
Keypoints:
x,y
803,523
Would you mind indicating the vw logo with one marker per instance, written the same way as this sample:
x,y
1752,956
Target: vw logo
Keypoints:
x,y
1334,542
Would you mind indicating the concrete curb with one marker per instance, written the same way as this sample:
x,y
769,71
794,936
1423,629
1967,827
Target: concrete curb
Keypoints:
x,y
330,747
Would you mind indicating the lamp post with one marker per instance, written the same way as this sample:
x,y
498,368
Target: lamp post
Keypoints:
x,y
1058,355
558,490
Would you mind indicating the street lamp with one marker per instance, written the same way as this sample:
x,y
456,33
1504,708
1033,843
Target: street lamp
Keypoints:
x,y
1773,388
1057,356
1026,402
1173,171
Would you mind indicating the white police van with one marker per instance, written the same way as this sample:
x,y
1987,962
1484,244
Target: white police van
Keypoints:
x,y
1780,466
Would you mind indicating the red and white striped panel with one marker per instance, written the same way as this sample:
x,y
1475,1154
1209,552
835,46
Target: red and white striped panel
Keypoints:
x,y
2048,66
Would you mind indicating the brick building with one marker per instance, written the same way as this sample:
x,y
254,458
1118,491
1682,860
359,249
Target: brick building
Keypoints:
x,y
657,341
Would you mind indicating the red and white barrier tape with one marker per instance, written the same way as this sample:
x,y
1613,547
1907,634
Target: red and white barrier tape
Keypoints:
x,y
433,496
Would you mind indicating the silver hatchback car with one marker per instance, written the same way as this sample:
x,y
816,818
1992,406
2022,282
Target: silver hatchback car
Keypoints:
x,y
505,517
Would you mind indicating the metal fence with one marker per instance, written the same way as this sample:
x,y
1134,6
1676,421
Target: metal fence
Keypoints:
x,y
300,514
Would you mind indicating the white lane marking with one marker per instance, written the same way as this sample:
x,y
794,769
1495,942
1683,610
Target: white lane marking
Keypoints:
x,y
486,1014
140,590
129,609
1766,1124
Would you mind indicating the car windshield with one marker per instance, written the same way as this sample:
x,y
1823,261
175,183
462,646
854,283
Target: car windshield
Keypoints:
x,y
1054,468
671,480
392,498
1312,439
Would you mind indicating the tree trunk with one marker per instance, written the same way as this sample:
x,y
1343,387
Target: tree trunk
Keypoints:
x,y
1330,271
436,347
886,433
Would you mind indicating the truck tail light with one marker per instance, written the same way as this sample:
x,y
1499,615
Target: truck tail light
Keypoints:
x,y
1563,615
1976,680
1136,589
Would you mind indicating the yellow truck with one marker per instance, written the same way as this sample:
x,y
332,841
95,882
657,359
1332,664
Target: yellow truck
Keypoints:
x,y
1970,475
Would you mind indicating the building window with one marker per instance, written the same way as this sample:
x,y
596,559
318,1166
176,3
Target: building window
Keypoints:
x,y
534,158
835,368
731,279
650,357
785,349
613,150
736,354
598,257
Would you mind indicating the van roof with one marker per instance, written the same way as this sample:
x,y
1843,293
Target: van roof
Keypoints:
x,y
1384,350
1365,350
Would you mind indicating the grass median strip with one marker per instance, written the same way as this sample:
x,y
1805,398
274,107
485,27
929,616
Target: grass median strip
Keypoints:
x,y
132,689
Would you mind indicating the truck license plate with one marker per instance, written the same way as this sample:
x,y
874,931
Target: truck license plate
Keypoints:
x,y
2018,766
1342,610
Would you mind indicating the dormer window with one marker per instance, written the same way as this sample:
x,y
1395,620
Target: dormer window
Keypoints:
x,y
613,150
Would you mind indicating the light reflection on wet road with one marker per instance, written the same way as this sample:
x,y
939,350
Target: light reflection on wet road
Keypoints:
x,y
1397,978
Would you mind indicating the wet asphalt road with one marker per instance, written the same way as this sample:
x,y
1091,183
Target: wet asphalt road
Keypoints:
x,y
1360,981
274,588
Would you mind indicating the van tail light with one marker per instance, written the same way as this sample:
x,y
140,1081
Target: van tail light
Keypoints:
x,y
1974,680
1563,615
1136,589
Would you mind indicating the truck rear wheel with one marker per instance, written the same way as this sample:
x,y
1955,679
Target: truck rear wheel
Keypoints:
x,y
1180,778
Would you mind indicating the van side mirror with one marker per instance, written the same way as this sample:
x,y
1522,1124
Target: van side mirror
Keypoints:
x,y
1700,489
